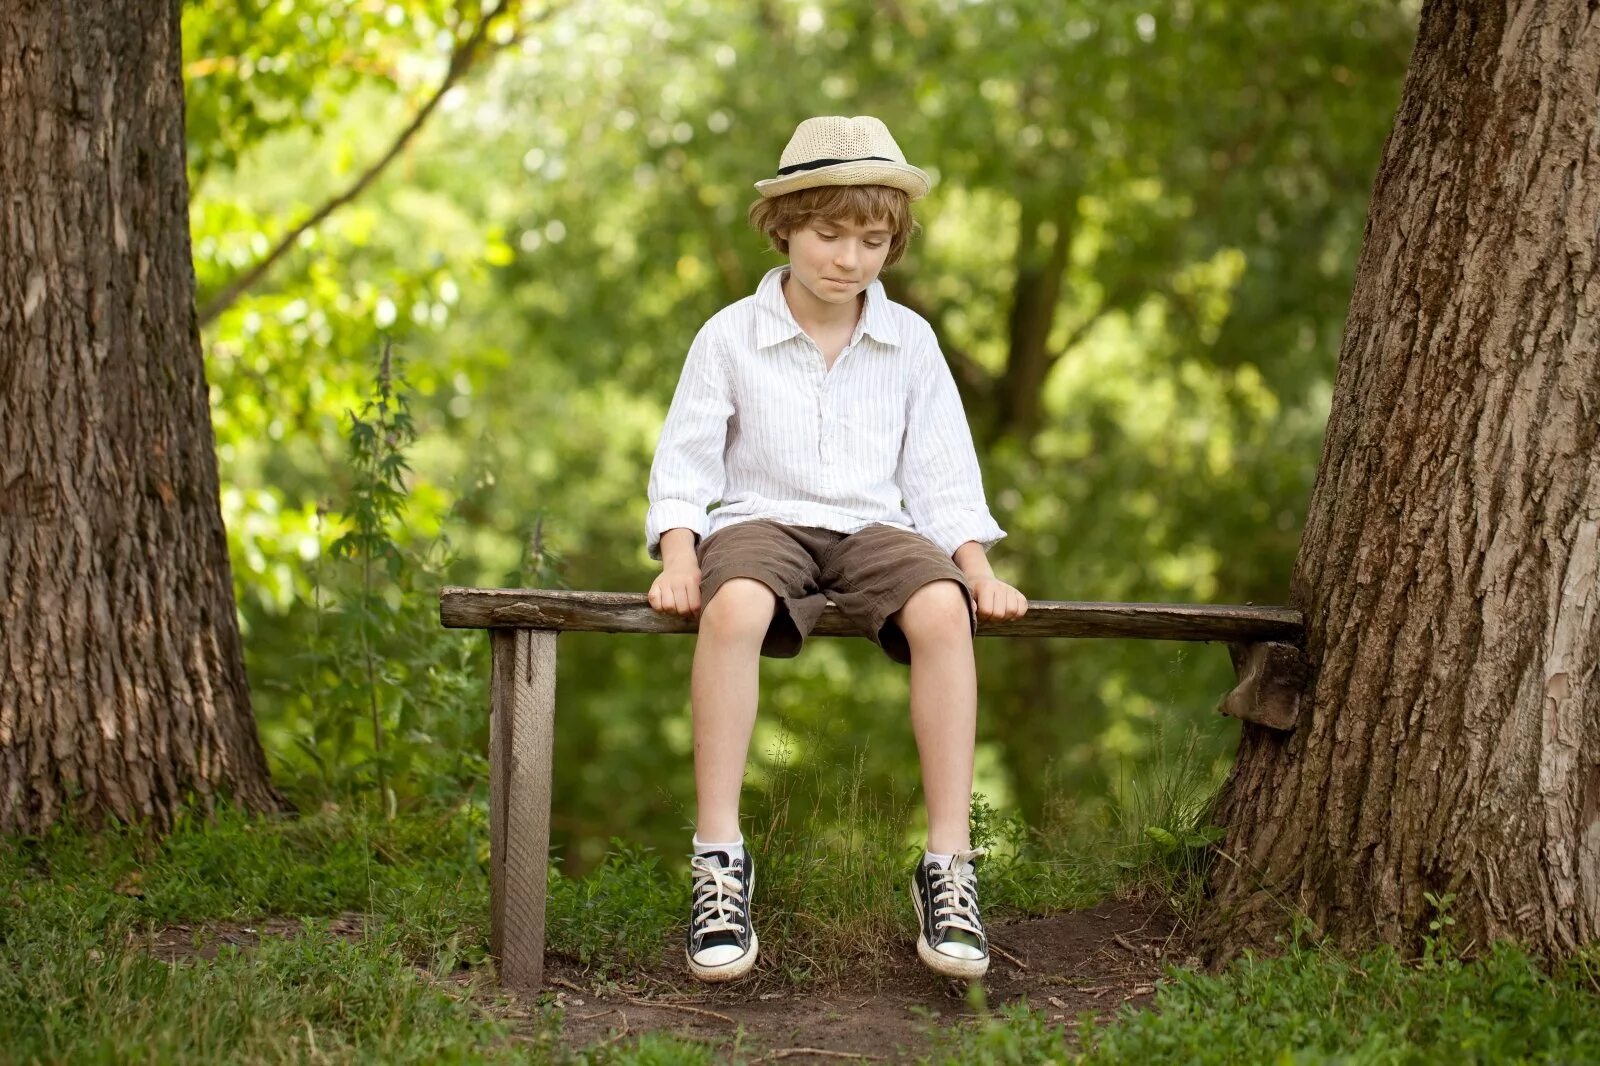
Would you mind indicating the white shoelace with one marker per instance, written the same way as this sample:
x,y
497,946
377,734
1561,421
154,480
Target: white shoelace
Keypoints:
x,y
955,893
718,897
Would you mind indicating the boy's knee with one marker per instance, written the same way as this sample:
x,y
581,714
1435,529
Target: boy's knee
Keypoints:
x,y
939,608
741,605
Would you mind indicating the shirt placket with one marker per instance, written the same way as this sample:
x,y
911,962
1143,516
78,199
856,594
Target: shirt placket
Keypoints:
x,y
825,385
817,378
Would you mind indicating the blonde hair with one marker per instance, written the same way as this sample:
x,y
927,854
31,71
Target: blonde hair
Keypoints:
x,y
860,204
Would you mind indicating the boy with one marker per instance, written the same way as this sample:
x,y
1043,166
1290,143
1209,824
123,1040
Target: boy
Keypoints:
x,y
823,418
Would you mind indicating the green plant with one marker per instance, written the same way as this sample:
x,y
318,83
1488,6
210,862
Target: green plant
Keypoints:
x,y
1438,946
373,513
1161,820
378,700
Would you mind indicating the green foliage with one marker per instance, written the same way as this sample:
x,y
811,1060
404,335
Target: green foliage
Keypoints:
x,y
377,699
314,997
617,916
1438,947
1313,1006
264,67
652,1049
81,979
1164,836
233,867
546,246
1013,1036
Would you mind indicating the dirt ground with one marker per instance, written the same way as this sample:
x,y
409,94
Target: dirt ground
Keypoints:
x,y
1095,960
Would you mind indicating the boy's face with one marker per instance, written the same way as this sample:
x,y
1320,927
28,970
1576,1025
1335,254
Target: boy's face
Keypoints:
x,y
836,261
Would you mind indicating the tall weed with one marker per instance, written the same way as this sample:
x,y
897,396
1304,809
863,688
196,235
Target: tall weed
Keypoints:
x,y
381,706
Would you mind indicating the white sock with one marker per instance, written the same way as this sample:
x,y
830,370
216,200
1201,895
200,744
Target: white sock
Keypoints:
x,y
734,851
930,858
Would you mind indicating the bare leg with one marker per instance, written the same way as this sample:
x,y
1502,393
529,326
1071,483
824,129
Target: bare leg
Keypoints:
x,y
723,690
944,707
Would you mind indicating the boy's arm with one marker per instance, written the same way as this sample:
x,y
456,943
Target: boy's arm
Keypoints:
x,y
939,474
973,562
687,472
677,547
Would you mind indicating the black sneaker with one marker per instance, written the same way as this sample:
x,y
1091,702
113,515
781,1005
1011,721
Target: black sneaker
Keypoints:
x,y
722,942
950,936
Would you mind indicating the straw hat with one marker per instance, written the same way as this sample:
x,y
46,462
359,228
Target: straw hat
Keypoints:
x,y
834,150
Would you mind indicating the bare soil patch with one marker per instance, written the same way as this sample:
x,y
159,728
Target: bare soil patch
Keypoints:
x,y
1095,960
181,943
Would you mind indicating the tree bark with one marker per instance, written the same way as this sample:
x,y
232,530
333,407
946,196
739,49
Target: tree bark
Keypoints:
x,y
1450,568
122,686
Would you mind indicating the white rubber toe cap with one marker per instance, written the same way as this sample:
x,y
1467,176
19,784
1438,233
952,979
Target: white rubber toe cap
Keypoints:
x,y
960,951
724,962
720,955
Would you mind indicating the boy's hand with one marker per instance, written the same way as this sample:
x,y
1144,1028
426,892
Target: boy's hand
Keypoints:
x,y
997,601
677,591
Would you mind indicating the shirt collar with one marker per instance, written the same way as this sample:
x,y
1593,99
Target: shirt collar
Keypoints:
x,y
775,322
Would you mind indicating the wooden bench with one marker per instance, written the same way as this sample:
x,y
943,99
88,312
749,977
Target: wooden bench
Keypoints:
x,y
523,624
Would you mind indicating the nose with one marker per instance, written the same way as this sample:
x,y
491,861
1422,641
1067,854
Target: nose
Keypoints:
x,y
845,257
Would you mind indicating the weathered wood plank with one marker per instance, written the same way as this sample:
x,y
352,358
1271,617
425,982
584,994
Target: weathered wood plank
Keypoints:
x,y
521,736
1272,684
628,612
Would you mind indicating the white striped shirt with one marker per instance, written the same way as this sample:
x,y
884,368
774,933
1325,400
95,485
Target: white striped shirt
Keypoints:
x,y
761,426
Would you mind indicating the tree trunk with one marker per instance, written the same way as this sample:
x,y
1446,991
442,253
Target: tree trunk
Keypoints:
x,y
1041,267
1450,567
122,688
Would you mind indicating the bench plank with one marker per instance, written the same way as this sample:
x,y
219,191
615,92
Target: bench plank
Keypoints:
x,y
521,737
629,612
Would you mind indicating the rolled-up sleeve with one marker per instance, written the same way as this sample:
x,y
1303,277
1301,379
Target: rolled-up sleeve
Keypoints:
x,y
939,476
688,474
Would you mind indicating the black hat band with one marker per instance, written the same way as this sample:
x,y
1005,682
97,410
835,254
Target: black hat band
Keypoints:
x,y
818,163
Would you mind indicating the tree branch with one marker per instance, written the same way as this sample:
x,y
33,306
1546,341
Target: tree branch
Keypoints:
x,y
461,60
1116,299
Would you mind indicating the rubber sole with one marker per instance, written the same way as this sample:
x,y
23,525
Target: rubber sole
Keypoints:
x,y
731,970
938,961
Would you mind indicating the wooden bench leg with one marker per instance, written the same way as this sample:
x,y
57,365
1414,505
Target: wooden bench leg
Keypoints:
x,y
521,734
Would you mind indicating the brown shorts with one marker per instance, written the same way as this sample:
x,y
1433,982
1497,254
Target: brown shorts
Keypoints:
x,y
868,575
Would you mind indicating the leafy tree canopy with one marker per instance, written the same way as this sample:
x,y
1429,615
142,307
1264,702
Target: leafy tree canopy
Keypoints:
x,y
1184,185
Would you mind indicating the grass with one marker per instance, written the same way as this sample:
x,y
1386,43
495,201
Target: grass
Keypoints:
x,y
79,982
387,961
1311,1005
405,979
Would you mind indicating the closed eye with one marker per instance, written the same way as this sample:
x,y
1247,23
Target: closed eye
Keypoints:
x,y
870,244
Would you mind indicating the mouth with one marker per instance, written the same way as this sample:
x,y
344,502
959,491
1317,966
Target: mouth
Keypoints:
x,y
836,281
